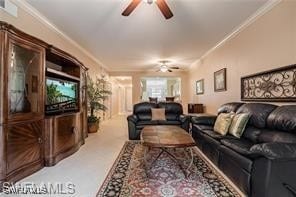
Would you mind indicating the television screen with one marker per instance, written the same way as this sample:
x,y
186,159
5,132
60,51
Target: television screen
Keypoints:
x,y
61,95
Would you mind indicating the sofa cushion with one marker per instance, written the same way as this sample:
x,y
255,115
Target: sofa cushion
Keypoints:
x,y
238,124
151,122
259,113
169,122
212,134
203,127
252,133
229,107
173,110
203,119
143,110
158,114
241,146
223,123
216,135
283,118
276,136
275,150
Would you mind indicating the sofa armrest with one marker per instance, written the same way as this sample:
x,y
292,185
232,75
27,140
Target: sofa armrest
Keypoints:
x,y
133,118
184,118
133,134
185,122
203,119
275,151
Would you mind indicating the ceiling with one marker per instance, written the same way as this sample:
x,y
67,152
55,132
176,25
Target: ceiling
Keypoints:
x,y
139,41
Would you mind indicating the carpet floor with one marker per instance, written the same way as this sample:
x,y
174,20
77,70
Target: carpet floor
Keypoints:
x,y
129,177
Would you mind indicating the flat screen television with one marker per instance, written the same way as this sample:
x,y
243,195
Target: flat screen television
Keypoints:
x,y
61,96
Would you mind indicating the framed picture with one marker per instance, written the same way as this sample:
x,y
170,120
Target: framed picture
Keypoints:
x,y
200,86
220,80
277,85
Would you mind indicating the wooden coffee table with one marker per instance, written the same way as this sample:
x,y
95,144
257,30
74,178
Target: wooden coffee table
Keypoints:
x,y
165,138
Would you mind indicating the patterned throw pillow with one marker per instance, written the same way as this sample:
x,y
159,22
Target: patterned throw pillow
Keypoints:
x,y
238,124
223,123
158,114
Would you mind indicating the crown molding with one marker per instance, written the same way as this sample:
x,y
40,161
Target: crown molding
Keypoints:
x,y
250,20
40,17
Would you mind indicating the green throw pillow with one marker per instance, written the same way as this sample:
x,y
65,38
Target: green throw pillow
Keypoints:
x,y
223,123
238,125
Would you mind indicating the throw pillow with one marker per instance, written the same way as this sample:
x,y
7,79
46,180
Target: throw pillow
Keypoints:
x,y
238,124
158,114
223,123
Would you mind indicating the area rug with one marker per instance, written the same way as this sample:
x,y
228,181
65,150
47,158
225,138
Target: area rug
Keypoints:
x,y
128,176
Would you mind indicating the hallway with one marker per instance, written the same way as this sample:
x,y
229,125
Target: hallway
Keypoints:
x,y
88,167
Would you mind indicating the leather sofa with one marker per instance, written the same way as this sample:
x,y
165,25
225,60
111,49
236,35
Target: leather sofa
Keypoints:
x,y
141,117
262,163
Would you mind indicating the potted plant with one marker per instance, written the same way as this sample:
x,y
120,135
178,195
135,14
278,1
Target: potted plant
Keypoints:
x,y
96,94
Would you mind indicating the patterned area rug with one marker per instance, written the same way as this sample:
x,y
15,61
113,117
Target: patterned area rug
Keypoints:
x,y
128,176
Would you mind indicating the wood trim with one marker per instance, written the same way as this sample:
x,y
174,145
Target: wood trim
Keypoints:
x,y
16,40
63,54
2,71
25,171
14,31
31,39
54,159
62,74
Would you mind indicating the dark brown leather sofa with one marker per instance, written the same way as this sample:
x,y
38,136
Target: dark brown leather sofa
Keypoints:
x,y
141,117
262,163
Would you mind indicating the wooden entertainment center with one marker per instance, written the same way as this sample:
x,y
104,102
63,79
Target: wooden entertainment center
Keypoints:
x,y
34,133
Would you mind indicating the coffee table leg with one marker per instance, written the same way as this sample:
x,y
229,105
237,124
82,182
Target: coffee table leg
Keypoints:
x,y
191,161
146,149
173,158
146,166
156,158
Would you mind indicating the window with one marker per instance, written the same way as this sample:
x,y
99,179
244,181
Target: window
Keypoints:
x,y
160,87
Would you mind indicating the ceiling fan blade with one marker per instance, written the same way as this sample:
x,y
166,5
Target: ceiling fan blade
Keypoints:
x,y
164,8
130,8
174,67
170,70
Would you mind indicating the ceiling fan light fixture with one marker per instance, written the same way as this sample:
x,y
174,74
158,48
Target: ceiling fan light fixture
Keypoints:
x,y
164,69
149,1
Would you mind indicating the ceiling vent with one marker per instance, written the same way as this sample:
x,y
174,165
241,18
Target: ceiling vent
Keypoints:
x,y
9,7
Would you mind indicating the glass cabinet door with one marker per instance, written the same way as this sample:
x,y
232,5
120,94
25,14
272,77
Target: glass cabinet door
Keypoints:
x,y
25,80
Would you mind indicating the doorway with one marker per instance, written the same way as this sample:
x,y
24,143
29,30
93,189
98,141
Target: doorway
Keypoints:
x,y
122,94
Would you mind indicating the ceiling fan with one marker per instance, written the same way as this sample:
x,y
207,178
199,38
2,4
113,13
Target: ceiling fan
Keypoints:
x,y
165,68
162,5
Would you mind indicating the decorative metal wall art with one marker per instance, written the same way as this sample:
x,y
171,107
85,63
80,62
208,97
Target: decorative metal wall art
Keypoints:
x,y
278,85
